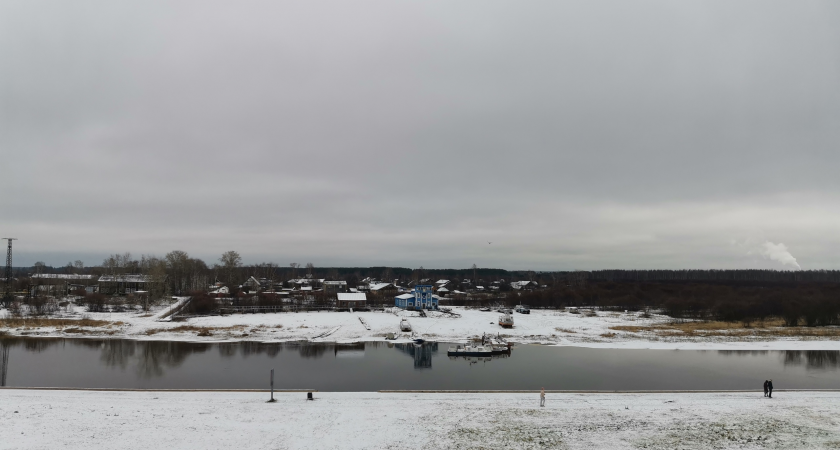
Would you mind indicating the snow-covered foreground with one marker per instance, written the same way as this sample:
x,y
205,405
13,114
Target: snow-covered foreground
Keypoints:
x,y
541,326
35,419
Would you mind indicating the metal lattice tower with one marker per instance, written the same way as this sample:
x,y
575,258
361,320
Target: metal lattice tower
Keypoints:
x,y
7,295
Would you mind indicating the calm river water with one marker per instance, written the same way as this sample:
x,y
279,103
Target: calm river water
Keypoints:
x,y
373,366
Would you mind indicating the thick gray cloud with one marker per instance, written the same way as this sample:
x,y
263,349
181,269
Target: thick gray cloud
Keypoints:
x,y
571,135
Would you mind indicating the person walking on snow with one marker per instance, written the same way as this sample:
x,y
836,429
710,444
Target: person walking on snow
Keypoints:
x,y
542,397
770,388
765,387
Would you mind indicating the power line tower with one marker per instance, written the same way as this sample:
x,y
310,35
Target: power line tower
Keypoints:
x,y
7,295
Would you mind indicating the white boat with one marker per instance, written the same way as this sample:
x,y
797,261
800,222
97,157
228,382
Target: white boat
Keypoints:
x,y
506,320
470,350
405,325
499,346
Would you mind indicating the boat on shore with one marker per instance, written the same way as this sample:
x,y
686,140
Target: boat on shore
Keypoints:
x,y
506,320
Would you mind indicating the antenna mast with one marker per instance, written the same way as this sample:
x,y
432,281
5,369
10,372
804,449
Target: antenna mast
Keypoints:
x,y
7,296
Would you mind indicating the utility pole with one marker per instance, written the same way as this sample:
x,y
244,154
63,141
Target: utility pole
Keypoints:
x,y
7,296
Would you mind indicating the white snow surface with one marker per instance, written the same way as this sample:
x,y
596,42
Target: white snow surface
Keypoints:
x,y
35,419
552,327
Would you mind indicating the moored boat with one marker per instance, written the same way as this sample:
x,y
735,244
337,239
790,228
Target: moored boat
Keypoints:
x,y
470,350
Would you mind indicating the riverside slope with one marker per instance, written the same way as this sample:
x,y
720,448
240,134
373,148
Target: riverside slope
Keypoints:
x,y
35,419
552,327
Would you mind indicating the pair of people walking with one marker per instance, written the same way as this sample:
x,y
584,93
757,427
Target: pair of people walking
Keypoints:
x,y
768,388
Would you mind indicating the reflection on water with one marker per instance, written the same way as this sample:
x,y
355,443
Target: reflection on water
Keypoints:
x,y
349,351
811,359
4,360
422,353
373,365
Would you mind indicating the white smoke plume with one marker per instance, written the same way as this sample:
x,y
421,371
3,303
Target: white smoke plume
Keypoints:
x,y
757,244
778,252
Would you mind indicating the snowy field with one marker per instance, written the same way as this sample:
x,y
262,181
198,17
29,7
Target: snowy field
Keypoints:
x,y
35,419
542,326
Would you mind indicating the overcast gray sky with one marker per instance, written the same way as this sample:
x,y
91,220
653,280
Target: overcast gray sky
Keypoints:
x,y
571,135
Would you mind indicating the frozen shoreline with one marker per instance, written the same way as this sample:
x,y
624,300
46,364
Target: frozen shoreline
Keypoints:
x,y
548,327
368,420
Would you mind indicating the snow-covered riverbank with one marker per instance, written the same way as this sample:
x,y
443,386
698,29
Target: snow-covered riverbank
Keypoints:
x,y
35,419
552,327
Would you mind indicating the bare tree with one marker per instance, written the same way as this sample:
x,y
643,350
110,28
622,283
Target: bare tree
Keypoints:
x,y
120,264
155,270
176,264
230,262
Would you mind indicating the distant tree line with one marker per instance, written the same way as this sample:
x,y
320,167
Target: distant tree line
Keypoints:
x,y
800,303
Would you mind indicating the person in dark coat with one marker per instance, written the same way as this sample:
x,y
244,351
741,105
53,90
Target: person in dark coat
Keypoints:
x,y
770,388
765,387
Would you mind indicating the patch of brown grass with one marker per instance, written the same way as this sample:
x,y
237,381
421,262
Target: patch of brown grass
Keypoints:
x,y
631,328
37,322
608,335
565,330
768,329
192,329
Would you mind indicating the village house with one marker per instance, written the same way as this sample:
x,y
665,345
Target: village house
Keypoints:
x,y
251,285
421,298
526,285
301,282
351,300
61,283
122,284
219,291
334,287
383,288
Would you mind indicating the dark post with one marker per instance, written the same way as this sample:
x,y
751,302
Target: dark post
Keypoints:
x,y
272,387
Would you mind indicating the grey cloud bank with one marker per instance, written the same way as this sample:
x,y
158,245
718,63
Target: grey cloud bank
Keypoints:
x,y
574,135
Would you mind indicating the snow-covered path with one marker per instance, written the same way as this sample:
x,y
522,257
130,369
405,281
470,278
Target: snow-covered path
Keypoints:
x,y
34,419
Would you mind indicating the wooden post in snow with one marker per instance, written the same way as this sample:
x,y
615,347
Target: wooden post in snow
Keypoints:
x,y
272,387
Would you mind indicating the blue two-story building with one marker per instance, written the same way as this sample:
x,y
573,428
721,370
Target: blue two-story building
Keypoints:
x,y
421,298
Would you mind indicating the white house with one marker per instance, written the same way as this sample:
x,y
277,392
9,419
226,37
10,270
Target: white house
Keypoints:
x,y
351,299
